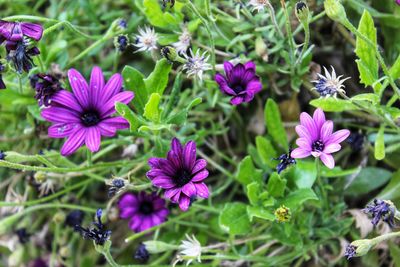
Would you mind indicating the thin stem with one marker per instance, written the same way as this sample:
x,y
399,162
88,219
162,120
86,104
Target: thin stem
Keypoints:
x,y
273,18
288,32
306,42
319,181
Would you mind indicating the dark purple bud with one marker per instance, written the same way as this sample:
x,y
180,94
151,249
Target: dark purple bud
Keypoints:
x,y
142,254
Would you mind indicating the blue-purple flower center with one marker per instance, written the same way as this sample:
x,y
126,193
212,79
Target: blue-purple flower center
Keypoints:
x,y
318,146
90,118
146,208
237,87
182,177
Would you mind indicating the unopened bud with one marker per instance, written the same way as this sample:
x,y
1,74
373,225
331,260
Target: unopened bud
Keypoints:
x,y
302,12
261,49
169,53
335,10
154,247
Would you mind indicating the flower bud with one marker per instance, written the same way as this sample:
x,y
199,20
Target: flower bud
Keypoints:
x,y
169,53
40,177
158,246
121,42
362,246
261,49
65,252
59,217
283,214
302,12
335,10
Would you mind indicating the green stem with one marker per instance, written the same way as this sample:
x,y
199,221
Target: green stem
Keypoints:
x,y
89,157
306,42
273,18
288,32
320,182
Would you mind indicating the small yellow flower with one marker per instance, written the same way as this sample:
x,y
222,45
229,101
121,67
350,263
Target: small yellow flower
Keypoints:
x,y
282,214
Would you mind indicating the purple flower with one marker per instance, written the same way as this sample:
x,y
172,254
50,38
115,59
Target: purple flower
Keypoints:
x,y
285,161
398,2
350,252
46,86
21,55
2,84
317,138
180,174
99,234
15,31
241,82
143,210
381,210
86,114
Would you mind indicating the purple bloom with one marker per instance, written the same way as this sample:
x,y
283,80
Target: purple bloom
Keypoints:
x,y
46,86
317,138
86,114
143,210
15,31
381,210
21,55
241,82
350,252
285,161
2,84
180,174
398,2
99,234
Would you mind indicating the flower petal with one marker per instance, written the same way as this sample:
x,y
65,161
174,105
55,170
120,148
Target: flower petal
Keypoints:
x,y
127,199
199,165
96,85
332,148
328,160
106,129
200,176
170,193
303,143
58,114
163,182
309,124
338,136
184,202
32,30
303,133
108,108
66,99
319,118
74,141
189,155
228,68
250,65
237,100
189,189
326,130
79,87
93,138
61,130
115,122
112,87
300,153
202,190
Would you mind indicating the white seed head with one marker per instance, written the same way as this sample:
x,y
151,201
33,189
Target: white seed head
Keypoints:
x,y
184,41
189,248
146,40
196,64
258,5
330,84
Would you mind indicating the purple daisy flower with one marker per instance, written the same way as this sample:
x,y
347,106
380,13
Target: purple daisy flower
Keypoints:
x,y
15,31
398,2
86,114
317,138
180,174
241,82
143,210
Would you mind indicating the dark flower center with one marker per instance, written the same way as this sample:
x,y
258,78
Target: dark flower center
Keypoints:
x,y
318,146
146,207
182,177
90,118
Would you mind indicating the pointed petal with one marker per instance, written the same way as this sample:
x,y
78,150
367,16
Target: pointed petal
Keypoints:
x,y
328,160
79,87
66,99
338,136
32,30
200,176
237,100
189,155
106,129
199,165
61,130
303,143
326,131
202,190
250,65
300,153
332,148
96,85
93,138
163,182
112,87
309,124
108,108
74,141
184,203
116,122
189,189
303,133
58,114
170,193
228,68
319,117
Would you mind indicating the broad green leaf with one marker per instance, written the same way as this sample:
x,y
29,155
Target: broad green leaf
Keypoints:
x,y
157,17
337,172
276,185
394,253
247,173
304,174
181,116
332,104
128,114
234,219
134,81
173,96
370,178
266,151
392,189
295,199
395,69
158,79
367,97
253,193
367,62
380,144
152,110
35,112
259,212
274,124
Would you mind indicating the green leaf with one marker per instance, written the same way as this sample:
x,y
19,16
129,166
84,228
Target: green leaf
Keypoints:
x,y
274,124
392,189
234,219
157,17
152,110
253,193
134,81
158,79
304,174
367,62
332,104
369,179
296,198
266,151
373,98
276,185
247,173
380,144
394,253
259,212
128,114
35,112
395,69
